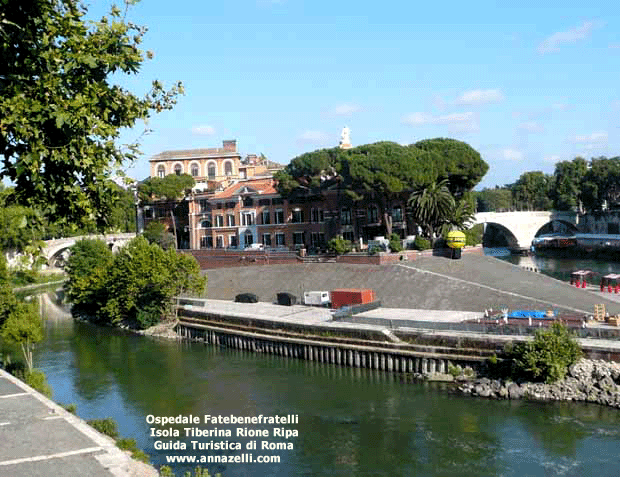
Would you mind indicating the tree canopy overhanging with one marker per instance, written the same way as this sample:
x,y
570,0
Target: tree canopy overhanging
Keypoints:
x,y
60,111
384,170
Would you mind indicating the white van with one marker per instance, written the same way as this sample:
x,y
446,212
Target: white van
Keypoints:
x,y
317,298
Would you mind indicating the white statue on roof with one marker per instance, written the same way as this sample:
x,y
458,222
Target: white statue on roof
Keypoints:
x,y
345,138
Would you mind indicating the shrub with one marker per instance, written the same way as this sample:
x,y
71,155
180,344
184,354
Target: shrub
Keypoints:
x,y
548,356
37,381
157,233
395,243
474,235
339,246
72,408
107,426
131,446
137,285
88,267
421,243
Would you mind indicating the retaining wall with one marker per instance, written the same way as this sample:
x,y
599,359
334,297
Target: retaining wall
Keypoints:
x,y
340,354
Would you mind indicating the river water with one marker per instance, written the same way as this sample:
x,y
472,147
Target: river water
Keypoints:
x,y
351,422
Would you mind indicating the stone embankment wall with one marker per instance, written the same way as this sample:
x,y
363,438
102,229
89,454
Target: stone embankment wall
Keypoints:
x,y
419,363
587,380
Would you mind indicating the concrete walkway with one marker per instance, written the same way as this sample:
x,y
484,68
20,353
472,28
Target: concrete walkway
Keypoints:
x,y
39,438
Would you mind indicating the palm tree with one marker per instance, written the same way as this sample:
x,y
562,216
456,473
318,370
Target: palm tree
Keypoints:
x,y
463,214
431,206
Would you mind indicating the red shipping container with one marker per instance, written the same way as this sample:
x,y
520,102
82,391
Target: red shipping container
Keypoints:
x,y
351,296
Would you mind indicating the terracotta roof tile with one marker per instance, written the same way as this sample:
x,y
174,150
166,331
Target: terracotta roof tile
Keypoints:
x,y
262,186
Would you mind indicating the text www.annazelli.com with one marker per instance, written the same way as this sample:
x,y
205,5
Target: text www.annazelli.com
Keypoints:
x,y
223,459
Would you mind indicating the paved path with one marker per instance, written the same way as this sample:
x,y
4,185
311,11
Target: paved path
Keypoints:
x,y
39,438
473,283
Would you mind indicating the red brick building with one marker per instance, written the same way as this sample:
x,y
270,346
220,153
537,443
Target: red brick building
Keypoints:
x,y
236,205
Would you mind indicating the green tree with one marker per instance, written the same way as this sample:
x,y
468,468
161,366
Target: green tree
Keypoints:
x,y
601,184
88,267
431,206
61,110
463,212
548,356
171,187
23,327
382,171
7,297
568,178
157,233
498,199
456,161
143,280
532,191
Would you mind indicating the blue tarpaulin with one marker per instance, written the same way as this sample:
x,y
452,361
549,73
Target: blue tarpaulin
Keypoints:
x,y
528,313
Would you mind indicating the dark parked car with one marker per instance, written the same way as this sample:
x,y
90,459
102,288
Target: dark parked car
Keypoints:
x,y
287,299
246,298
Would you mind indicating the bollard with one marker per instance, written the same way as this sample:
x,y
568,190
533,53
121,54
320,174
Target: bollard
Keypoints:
x,y
577,283
583,284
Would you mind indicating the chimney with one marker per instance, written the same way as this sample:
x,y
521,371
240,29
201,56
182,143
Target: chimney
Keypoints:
x,y
230,145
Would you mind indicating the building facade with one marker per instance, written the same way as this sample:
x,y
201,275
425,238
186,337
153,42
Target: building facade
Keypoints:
x,y
235,205
252,212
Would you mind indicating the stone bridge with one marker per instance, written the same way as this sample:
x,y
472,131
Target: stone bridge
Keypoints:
x,y
520,228
55,251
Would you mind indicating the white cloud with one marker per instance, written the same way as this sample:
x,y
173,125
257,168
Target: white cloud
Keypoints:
x,y
512,155
345,109
552,159
552,43
461,121
312,136
480,96
595,137
531,127
588,142
560,107
203,130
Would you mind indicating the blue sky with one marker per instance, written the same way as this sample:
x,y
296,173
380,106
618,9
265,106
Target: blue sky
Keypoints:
x,y
526,86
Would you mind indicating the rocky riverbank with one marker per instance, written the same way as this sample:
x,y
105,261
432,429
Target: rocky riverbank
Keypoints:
x,y
587,380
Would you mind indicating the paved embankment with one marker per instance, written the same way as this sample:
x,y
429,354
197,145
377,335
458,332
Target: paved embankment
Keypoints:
x,y
39,438
473,283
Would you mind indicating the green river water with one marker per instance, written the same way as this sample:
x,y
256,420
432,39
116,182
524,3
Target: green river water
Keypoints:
x,y
351,422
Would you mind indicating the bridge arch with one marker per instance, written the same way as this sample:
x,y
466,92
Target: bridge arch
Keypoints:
x,y
524,226
57,251
498,235
557,226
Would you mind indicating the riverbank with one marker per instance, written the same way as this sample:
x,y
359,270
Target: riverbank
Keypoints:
x,y
41,438
594,381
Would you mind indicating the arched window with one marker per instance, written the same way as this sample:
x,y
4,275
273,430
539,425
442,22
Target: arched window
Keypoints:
x,y
178,169
228,168
161,171
206,224
195,170
211,171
